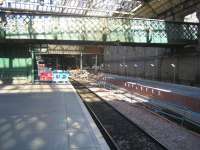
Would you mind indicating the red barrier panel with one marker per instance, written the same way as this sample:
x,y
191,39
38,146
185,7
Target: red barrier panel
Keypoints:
x,y
46,76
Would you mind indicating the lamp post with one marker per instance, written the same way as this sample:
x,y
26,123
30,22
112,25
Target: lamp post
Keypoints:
x,y
174,72
104,71
153,66
126,66
109,69
101,67
124,63
135,66
109,74
125,69
121,66
81,61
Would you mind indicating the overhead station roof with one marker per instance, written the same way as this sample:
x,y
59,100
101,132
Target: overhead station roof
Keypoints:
x,y
165,8
74,7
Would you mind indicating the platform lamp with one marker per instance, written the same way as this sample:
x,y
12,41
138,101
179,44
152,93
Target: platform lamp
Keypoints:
x,y
109,69
174,68
126,66
135,66
121,66
153,66
102,67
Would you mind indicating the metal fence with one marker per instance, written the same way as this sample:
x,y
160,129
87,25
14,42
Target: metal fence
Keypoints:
x,y
103,29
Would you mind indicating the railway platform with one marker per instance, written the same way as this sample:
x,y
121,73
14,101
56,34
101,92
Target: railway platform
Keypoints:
x,y
182,99
46,117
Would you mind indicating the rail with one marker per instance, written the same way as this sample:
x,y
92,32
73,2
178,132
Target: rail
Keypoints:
x,y
119,114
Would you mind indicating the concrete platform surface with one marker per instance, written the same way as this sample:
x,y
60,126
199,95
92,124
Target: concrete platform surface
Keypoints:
x,y
174,88
184,98
46,117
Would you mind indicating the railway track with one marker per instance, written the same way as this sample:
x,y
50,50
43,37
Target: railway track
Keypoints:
x,y
159,110
166,113
119,132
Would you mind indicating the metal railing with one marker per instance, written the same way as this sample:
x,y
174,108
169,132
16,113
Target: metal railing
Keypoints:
x,y
100,29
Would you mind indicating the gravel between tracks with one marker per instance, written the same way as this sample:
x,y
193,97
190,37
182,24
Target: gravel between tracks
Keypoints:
x,y
172,136
127,135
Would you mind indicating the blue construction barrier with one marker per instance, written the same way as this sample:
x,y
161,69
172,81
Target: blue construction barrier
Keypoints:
x,y
61,76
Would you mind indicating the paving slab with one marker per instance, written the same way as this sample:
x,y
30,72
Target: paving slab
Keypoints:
x,y
46,117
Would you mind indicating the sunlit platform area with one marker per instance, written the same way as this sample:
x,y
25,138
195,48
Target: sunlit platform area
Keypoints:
x,y
46,117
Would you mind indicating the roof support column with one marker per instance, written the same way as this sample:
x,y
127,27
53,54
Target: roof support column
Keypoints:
x,y
81,61
198,16
32,50
96,62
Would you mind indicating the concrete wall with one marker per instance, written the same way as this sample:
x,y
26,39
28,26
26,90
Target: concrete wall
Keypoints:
x,y
154,63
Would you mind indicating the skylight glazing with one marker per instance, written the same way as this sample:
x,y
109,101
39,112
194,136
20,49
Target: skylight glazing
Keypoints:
x,y
74,7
